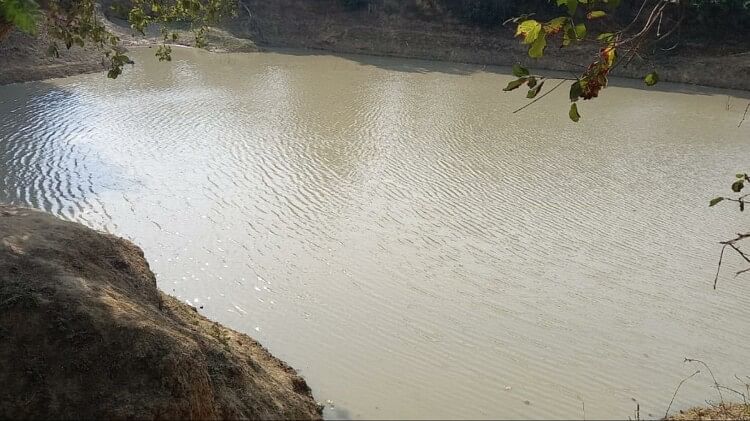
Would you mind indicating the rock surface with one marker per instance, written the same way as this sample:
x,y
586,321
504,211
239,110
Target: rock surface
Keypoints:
x,y
85,333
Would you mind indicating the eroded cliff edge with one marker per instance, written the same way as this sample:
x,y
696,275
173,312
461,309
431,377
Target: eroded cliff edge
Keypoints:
x,y
86,333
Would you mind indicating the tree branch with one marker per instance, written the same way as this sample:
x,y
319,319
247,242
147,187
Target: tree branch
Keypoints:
x,y
541,96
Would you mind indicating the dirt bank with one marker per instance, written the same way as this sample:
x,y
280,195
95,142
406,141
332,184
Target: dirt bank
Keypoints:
x,y
322,25
24,57
85,333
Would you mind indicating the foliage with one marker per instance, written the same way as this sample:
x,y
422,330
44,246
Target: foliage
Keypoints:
x,y
22,14
610,48
76,22
738,185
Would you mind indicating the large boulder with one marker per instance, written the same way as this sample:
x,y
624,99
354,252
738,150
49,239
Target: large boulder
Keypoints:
x,y
85,333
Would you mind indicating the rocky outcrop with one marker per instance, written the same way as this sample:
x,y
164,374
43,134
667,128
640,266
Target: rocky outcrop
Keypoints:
x,y
85,333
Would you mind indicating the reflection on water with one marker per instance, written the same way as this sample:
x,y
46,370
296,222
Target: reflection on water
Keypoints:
x,y
392,230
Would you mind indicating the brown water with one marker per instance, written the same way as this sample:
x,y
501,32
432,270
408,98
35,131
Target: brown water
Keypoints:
x,y
392,230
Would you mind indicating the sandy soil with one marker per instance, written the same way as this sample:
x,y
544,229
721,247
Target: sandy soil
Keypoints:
x,y
86,334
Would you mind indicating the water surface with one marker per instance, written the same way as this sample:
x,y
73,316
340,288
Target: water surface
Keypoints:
x,y
391,229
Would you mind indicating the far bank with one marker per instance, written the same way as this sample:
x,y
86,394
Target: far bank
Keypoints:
x,y
323,26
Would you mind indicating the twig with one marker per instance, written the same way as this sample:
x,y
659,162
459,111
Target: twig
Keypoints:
x,y
744,115
718,269
583,404
637,411
730,243
716,383
741,253
666,414
541,96
744,398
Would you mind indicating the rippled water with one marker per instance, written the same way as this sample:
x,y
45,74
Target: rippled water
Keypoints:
x,y
392,230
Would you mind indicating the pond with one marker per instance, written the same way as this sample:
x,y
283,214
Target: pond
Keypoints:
x,y
394,231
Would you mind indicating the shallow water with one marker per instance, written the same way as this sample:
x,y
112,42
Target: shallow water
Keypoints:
x,y
391,229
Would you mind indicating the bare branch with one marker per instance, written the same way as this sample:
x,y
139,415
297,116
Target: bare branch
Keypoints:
x,y
731,243
744,115
666,414
716,383
541,96
718,269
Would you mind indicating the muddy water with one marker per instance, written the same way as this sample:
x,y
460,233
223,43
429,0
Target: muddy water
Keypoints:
x,y
392,230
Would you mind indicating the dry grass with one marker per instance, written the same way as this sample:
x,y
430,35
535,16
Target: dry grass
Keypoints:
x,y
718,412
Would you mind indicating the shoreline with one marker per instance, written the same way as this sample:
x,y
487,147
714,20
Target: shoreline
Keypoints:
x,y
63,70
22,57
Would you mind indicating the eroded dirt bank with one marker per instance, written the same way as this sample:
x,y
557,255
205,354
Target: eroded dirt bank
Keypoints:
x,y
324,25
321,25
85,333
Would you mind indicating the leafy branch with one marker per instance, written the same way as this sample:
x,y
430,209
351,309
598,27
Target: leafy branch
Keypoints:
x,y
77,22
613,49
737,186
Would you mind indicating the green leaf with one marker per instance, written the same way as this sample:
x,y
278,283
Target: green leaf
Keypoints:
x,y
575,91
520,71
569,36
738,185
651,79
573,113
606,37
572,5
596,14
532,82
537,48
740,175
529,30
22,14
580,31
515,84
555,25
715,201
535,90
